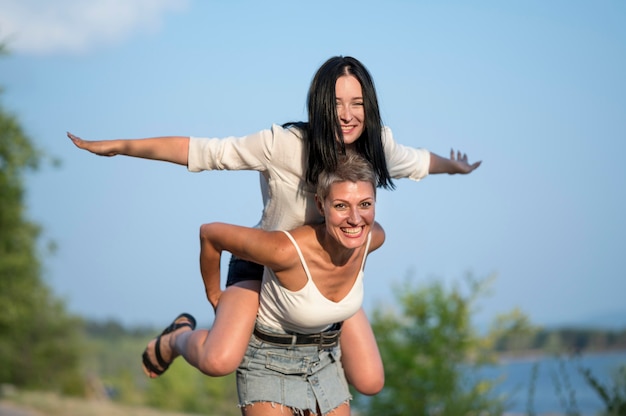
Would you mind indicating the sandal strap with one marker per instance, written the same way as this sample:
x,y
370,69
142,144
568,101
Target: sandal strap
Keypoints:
x,y
190,322
157,353
148,364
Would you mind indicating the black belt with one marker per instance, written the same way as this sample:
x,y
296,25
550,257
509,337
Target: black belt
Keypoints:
x,y
322,340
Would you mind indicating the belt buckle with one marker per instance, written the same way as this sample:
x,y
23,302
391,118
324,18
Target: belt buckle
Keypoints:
x,y
332,338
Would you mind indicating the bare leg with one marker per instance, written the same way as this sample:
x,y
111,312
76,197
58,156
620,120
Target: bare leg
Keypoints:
x,y
266,409
219,351
360,356
343,410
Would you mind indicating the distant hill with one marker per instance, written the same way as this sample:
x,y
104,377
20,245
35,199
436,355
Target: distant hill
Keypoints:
x,y
614,320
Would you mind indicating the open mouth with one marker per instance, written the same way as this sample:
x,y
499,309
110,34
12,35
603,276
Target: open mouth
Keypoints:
x,y
352,231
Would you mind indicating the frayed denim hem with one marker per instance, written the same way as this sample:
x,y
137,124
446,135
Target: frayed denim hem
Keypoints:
x,y
295,412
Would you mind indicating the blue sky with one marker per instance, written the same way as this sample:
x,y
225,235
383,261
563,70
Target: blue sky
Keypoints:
x,y
534,89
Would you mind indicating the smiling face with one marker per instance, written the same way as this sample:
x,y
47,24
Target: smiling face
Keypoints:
x,y
349,211
350,109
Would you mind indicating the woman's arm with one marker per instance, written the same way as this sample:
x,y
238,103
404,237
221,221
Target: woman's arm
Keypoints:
x,y
378,237
174,149
458,164
252,244
416,163
210,261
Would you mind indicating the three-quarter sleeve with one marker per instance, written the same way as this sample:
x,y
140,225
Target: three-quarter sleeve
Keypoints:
x,y
252,152
404,161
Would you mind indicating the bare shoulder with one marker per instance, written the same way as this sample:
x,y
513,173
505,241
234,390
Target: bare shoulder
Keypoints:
x,y
378,237
284,254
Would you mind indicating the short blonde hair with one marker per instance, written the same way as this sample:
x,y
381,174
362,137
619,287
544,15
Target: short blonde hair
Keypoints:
x,y
352,167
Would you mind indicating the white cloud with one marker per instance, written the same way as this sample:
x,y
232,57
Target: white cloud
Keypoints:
x,y
62,26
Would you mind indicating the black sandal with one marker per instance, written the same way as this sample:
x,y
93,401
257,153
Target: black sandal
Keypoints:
x,y
190,322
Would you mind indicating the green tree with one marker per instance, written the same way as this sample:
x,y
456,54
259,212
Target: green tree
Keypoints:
x,y
37,337
429,349
512,332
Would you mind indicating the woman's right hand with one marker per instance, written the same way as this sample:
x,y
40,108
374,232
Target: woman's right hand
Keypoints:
x,y
214,298
100,148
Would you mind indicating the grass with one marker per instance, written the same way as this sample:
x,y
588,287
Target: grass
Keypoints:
x,y
50,404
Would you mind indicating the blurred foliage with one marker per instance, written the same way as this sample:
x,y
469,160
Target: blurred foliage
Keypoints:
x,y
432,355
612,392
113,359
613,395
513,333
39,345
184,388
429,349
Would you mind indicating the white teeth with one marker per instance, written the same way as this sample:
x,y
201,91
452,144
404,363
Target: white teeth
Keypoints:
x,y
351,230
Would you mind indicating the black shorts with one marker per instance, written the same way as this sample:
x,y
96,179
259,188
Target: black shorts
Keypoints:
x,y
241,270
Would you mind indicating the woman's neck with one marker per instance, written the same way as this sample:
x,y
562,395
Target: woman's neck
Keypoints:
x,y
336,252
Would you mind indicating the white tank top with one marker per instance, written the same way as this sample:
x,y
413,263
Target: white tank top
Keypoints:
x,y
307,310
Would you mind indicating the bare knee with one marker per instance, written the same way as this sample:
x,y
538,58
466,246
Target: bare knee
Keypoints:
x,y
369,386
218,364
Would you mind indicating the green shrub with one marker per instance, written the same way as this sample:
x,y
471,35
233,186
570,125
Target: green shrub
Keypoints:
x,y
429,350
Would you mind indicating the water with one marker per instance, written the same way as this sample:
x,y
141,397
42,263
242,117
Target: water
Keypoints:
x,y
558,385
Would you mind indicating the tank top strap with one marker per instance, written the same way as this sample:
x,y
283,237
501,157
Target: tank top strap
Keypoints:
x,y
306,268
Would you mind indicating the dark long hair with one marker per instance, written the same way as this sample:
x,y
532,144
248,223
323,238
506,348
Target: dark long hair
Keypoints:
x,y
323,128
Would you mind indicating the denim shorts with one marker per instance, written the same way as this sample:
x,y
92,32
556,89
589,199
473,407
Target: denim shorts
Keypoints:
x,y
240,270
302,378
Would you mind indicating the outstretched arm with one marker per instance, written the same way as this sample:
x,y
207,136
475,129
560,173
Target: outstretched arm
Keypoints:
x,y
455,164
172,149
